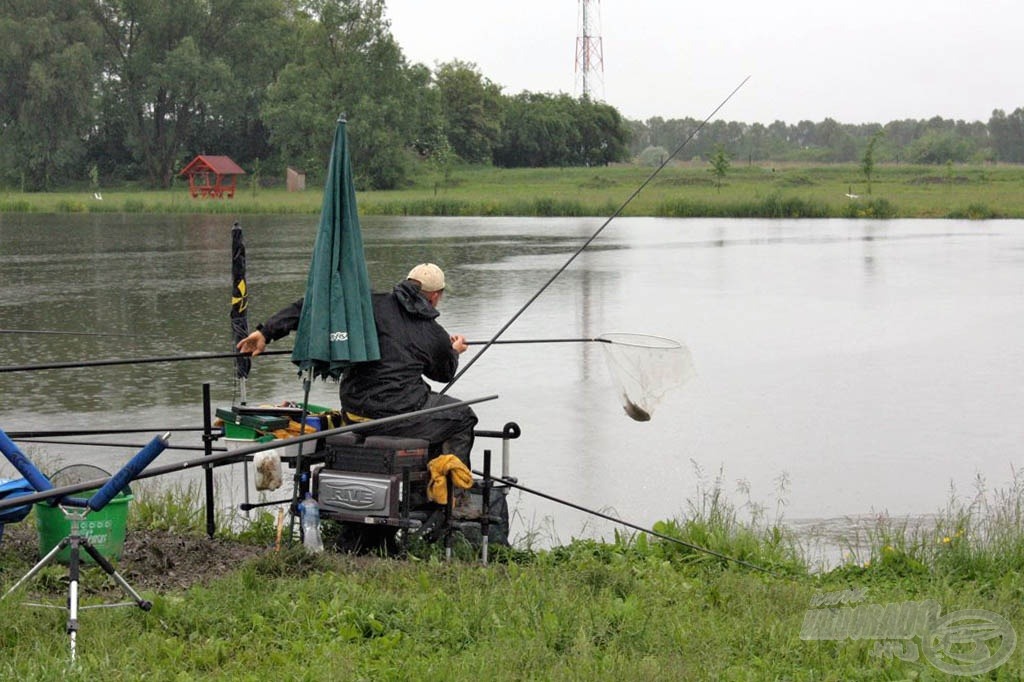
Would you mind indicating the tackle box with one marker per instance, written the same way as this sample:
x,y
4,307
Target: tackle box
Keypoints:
x,y
249,425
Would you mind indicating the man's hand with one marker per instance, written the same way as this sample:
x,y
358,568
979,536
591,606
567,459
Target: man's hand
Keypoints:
x,y
253,345
459,343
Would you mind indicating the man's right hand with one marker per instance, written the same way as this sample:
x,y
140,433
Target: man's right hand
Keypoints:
x,y
253,345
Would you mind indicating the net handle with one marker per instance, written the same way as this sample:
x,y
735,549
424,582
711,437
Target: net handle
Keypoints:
x,y
663,343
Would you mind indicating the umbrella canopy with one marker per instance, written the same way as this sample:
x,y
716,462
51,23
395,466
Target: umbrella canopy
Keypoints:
x,y
239,298
336,327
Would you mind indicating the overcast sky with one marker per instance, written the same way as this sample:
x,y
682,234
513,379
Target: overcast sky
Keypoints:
x,y
857,62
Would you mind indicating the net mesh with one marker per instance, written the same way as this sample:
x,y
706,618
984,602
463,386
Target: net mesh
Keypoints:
x,y
74,474
645,368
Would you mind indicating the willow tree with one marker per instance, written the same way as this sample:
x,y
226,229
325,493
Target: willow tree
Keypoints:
x,y
47,67
348,62
185,77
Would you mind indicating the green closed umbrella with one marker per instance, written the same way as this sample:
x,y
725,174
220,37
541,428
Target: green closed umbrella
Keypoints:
x,y
336,327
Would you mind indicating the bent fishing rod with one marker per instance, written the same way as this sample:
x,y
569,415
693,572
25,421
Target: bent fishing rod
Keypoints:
x,y
594,236
649,531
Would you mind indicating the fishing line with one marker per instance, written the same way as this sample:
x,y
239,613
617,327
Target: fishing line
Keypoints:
x,y
649,531
594,236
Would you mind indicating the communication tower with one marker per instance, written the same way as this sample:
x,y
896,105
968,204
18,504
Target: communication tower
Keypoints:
x,y
589,52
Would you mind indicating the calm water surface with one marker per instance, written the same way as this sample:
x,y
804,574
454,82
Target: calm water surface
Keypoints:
x,y
844,368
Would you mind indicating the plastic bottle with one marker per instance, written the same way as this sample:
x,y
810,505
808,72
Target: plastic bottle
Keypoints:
x,y
310,511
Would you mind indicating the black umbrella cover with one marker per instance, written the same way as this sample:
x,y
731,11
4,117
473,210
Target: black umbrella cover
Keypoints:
x,y
239,298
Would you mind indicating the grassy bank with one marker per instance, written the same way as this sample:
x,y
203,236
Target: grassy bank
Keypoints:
x,y
629,608
684,190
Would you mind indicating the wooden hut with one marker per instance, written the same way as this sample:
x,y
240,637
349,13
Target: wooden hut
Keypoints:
x,y
212,176
296,180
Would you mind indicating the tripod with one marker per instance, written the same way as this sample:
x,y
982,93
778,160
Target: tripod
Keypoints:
x,y
76,510
77,542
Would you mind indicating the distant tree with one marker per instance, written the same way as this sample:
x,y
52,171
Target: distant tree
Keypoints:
x,y
867,162
48,63
173,71
938,147
471,110
1007,135
557,130
652,156
348,62
720,163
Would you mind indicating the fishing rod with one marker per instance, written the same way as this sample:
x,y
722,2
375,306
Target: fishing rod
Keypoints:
x,y
133,361
111,444
514,484
19,435
219,459
47,331
594,236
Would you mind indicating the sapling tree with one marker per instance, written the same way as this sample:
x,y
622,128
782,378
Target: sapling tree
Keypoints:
x,y
867,163
719,165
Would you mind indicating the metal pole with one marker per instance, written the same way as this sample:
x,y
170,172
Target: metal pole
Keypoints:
x,y
485,516
211,527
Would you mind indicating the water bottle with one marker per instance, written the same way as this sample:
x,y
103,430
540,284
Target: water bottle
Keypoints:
x,y
310,512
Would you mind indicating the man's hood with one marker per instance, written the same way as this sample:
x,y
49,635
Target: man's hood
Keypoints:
x,y
409,297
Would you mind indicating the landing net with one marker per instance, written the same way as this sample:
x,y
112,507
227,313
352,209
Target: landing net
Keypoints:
x,y
645,368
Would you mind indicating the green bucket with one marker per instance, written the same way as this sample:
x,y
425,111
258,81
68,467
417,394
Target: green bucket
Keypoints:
x,y
105,527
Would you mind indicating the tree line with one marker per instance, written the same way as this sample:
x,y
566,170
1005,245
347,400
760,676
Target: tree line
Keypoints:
x,y
933,141
131,90
118,91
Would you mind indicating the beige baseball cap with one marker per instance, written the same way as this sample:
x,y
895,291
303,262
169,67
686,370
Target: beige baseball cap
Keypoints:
x,y
430,277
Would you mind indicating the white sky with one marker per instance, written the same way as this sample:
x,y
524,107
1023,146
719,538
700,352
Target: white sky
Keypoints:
x,y
867,61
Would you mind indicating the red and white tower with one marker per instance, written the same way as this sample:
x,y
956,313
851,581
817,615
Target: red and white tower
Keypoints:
x,y
589,52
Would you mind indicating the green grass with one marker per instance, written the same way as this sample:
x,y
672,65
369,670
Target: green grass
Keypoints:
x,y
635,607
680,190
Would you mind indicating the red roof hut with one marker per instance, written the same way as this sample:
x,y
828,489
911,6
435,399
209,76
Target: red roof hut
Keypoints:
x,y
212,176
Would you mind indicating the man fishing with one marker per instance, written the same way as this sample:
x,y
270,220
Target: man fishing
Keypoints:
x,y
413,345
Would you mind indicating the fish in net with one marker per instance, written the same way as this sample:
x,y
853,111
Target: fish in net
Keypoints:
x,y
645,368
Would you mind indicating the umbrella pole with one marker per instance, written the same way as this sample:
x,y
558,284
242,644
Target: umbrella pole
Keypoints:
x,y
245,467
298,489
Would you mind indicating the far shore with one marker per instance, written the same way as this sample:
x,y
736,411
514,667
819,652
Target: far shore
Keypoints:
x,y
748,190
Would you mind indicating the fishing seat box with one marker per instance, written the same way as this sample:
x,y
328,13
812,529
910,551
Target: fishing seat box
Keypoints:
x,y
361,480
375,454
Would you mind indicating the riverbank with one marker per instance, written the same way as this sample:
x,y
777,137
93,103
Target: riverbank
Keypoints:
x,y
757,190
631,608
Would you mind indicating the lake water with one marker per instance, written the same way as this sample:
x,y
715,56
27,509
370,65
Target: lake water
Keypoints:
x,y
844,368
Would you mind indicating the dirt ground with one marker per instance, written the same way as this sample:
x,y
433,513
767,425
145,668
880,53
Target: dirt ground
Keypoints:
x,y
151,560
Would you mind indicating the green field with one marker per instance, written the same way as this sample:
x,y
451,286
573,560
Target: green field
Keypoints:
x,y
683,190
